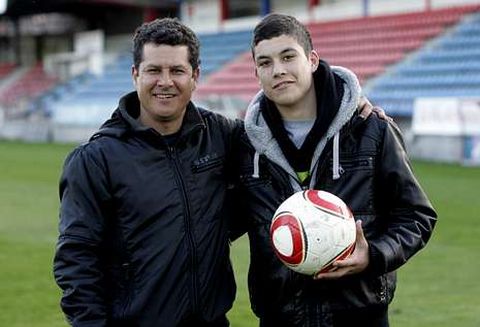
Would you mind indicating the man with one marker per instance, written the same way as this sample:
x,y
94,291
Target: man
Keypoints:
x,y
304,133
143,236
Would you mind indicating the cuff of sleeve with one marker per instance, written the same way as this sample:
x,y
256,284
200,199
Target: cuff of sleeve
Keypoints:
x,y
377,264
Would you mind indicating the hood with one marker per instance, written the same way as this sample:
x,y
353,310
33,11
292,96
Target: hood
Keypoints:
x,y
262,139
123,119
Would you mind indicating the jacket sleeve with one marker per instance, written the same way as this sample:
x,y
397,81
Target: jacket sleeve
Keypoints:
x,y
407,217
77,261
235,201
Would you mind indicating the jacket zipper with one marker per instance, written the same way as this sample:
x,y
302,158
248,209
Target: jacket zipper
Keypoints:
x,y
191,243
276,170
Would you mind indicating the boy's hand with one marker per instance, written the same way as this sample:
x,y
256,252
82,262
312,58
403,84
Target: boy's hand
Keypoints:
x,y
355,263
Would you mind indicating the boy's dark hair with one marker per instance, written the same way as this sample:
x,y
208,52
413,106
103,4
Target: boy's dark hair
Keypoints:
x,y
274,25
167,31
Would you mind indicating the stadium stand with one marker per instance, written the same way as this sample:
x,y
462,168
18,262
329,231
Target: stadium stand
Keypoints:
x,y
88,99
218,49
94,97
6,69
368,46
27,86
448,66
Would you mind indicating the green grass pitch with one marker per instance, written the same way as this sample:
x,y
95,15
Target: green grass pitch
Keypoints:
x,y
438,287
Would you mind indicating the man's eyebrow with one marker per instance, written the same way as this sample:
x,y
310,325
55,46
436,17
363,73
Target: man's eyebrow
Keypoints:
x,y
179,66
152,65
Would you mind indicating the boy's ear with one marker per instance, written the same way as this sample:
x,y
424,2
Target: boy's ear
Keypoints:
x,y
314,60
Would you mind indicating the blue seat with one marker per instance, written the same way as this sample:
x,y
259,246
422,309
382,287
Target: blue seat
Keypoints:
x,y
450,66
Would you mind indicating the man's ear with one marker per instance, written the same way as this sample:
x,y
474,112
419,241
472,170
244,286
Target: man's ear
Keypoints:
x,y
195,76
134,75
314,60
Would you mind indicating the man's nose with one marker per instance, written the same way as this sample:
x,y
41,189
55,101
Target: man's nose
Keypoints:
x,y
164,79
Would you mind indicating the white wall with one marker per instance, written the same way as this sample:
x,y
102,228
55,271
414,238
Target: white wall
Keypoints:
x,y
354,8
204,15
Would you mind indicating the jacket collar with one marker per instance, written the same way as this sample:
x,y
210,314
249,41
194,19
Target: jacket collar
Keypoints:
x,y
124,119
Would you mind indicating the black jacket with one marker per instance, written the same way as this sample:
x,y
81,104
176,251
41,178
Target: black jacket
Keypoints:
x,y
143,235
373,177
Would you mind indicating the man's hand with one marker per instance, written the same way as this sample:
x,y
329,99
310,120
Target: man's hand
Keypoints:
x,y
354,264
365,109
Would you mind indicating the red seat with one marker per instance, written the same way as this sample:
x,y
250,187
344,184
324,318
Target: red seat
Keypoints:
x,y
30,85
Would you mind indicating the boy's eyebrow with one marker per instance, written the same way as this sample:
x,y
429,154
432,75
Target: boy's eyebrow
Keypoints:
x,y
281,52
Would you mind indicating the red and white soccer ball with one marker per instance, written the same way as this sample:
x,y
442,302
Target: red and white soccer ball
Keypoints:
x,y
312,229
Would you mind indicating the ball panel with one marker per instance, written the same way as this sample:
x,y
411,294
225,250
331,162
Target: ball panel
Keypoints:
x,y
286,231
328,202
341,256
282,240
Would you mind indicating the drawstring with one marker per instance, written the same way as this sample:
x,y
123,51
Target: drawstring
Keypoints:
x,y
336,169
256,166
336,153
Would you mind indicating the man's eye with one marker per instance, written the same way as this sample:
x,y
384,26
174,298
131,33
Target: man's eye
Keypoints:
x,y
263,63
288,57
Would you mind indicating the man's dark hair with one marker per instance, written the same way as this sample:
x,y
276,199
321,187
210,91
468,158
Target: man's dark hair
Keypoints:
x,y
166,31
274,25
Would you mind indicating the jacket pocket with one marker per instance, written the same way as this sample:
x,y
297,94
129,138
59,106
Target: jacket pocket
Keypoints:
x,y
356,183
363,162
207,163
122,288
248,181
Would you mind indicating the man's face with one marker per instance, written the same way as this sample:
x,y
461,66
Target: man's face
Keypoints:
x,y
164,82
284,70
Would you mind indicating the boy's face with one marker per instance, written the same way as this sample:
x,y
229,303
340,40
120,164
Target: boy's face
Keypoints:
x,y
164,82
284,70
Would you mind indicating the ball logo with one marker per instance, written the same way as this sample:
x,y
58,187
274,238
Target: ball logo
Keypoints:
x,y
288,240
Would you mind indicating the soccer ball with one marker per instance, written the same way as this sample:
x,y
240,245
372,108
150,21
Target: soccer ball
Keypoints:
x,y
311,230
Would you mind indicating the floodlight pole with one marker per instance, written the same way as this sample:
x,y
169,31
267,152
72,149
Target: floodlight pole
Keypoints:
x,y
265,7
365,8
428,5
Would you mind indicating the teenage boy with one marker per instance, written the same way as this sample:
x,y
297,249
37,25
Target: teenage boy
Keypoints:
x,y
304,132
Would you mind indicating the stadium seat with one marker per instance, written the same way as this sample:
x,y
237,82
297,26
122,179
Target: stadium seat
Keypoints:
x,y
450,66
28,86
368,46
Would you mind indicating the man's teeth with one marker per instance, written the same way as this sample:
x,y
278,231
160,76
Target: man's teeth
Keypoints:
x,y
164,96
